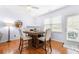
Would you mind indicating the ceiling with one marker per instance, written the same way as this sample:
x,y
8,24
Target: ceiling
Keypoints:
x,y
29,10
27,13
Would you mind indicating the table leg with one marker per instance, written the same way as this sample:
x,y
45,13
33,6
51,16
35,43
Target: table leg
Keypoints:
x,y
30,43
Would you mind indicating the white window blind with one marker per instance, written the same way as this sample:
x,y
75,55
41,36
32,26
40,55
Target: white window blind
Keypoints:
x,y
47,24
56,24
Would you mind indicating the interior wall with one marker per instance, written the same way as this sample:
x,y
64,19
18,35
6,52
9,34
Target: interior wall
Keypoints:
x,y
14,33
69,10
64,12
5,14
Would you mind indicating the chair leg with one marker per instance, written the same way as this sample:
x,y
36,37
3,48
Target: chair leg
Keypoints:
x,y
45,49
27,44
21,47
50,46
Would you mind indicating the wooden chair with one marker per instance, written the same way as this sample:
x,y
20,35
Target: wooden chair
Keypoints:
x,y
23,38
46,41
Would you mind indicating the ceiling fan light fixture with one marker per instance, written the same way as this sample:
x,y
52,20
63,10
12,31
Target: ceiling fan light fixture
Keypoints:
x,y
30,6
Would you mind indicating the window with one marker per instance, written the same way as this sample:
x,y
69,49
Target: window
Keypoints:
x,y
47,24
54,23
73,28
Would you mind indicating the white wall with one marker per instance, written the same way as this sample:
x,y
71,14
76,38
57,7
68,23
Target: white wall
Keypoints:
x,y
12,14
64,12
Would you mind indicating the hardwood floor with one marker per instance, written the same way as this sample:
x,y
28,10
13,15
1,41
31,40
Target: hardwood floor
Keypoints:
x,y
12,48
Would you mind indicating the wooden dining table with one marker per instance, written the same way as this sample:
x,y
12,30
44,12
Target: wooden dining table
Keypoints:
x,y
35,35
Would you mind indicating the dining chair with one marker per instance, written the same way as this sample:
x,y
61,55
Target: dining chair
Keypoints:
x,y
46,41
23,38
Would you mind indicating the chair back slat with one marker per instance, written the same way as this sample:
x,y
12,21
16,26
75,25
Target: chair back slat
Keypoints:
x,y
22,35
48,34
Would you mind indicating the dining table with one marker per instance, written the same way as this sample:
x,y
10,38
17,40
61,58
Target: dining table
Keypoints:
x,y
34,42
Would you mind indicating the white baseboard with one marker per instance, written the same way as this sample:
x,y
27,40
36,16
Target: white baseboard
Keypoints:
x,y
73,47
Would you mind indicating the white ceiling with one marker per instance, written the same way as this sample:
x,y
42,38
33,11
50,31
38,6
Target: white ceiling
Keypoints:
x,y
26,13
39,9
29,10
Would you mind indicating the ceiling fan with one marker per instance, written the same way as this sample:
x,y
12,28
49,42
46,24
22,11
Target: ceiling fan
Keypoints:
x,y
31,6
